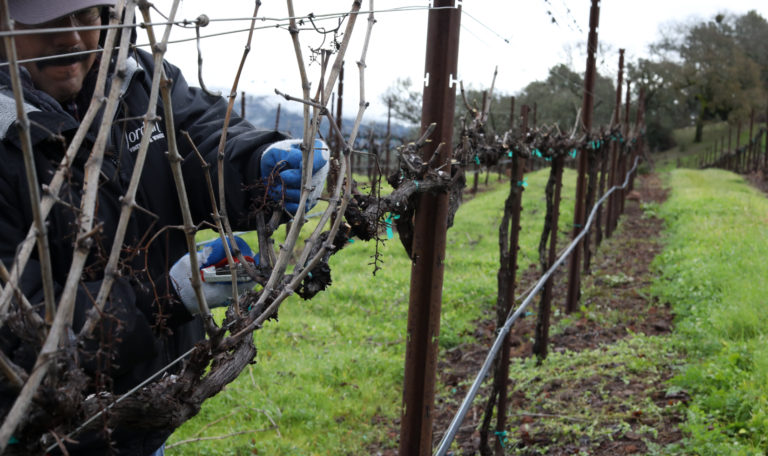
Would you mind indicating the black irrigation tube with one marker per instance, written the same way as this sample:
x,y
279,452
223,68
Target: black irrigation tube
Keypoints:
x,y
450,433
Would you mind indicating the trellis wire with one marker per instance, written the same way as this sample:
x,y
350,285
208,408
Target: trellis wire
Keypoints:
x,y
453,428
122,398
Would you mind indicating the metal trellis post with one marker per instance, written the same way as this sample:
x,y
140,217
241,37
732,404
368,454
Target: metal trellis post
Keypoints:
x,y
574,275
428,251
615,151
766,140
624,147
751,147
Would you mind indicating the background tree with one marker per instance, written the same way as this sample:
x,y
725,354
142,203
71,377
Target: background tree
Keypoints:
x,y
559,97
715,69
666,107
406,101
751,34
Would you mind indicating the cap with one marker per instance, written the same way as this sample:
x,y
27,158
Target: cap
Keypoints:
x,y
33,12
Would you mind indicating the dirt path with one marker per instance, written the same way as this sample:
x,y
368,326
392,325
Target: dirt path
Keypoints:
x,y
614,292
615,306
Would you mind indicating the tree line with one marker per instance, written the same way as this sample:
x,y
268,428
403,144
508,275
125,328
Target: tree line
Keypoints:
x,y
698,71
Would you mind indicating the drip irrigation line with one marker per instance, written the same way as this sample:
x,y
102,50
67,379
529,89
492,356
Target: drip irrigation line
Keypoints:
x,y
450,433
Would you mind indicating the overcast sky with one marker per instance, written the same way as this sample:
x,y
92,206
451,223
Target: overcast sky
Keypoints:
x,y
518,37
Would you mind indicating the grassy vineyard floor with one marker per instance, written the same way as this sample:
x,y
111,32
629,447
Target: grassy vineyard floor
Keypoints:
x,y
621,378
713,271
602,389
328,375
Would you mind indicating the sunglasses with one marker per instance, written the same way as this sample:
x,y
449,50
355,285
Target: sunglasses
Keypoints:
x,y
82,18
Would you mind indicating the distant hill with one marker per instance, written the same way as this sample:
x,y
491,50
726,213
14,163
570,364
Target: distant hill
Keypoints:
x,y
261,110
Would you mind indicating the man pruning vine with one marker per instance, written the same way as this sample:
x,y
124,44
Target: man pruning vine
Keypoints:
x,y
151,316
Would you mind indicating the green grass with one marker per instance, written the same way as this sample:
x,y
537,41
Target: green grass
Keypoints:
x,y
713,271
688,153
328,376
584,399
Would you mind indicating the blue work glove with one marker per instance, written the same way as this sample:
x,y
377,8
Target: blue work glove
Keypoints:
x,y
281,171
215,275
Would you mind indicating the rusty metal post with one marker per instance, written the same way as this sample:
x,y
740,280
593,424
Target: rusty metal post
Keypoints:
x,y
719,156
728,155
765,162
511,113
428,248
339,113
373,153
336,144
389,137
339,101
574,275
599,219
752,165
624,148
738,145
511,127
612,208
593,163
501,167
636,148
730,131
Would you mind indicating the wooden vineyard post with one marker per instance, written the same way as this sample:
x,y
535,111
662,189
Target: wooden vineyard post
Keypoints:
x,y
721,152
511,128
388,138
428,248
599,219
624,147
373,153
637,148
574,274
594,162
752,165
335,144
765,161
737,165
614,151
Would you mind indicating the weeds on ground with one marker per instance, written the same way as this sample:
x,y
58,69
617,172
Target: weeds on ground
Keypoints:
x,y
328,376
713,272
580,400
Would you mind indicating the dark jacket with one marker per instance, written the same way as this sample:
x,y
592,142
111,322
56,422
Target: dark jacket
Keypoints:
x,y
147,325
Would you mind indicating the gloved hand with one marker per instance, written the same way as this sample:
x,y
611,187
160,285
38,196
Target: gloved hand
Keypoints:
x,y
281,170
215,274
